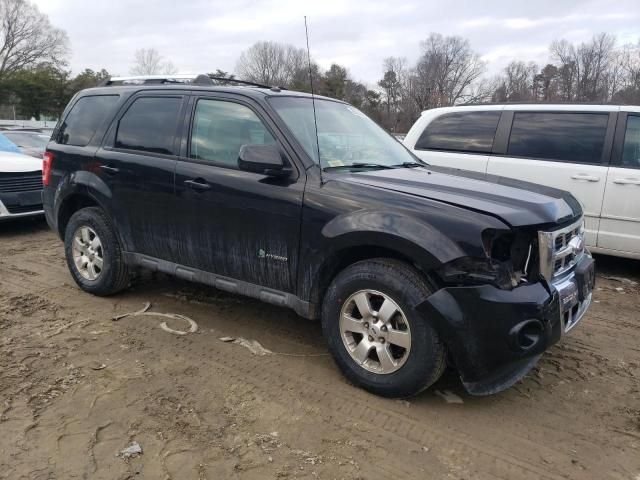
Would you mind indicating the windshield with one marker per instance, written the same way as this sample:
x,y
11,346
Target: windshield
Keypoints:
x,y
29,140
347,137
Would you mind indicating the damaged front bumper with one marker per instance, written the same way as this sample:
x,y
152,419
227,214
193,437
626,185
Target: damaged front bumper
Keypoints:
x,y
496,336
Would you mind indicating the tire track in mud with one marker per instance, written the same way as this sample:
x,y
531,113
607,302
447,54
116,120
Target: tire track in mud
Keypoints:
x,y
397,427
340,405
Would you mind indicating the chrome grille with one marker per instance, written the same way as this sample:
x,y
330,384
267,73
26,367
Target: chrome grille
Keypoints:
x,y
20,182
560,249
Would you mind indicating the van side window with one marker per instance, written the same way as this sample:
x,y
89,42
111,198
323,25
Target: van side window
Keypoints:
x,y
631,149
569,137
220,128
149,125
83,120
461,132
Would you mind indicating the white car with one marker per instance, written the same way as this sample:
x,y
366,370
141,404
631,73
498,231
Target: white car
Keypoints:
x,y
20,185
592,151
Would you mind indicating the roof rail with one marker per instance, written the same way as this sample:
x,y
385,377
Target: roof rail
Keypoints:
x,y
191,79
244,82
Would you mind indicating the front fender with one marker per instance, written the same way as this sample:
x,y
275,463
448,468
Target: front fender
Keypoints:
x,y
419,241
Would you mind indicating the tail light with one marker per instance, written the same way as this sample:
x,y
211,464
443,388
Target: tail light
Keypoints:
x,y
47,163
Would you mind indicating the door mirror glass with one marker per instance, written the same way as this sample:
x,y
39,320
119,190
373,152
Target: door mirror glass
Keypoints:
x,y
263,159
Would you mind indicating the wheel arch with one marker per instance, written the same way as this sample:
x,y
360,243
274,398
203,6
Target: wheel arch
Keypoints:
x,y
70,205
378,245
80,190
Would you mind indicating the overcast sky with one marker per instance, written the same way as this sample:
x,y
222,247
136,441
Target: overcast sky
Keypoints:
x,y
201,35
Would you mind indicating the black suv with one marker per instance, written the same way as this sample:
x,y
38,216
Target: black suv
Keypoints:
x,y
310,205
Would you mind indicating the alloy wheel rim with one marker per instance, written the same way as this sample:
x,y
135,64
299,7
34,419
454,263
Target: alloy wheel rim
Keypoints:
x,y
87,251
375,331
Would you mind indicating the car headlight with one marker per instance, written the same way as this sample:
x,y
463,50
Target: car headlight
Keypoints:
x,y
508,261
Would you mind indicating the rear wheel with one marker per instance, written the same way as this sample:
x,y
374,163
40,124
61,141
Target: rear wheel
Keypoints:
x,y
93,253
374,332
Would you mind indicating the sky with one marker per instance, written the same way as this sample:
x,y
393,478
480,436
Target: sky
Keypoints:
x,y
200,36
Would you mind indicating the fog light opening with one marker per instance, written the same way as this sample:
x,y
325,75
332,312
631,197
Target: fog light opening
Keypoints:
x,y
526,335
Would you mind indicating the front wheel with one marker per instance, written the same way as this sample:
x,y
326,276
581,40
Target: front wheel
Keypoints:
x,y
374,332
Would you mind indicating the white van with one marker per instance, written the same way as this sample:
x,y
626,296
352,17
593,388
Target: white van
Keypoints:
x,y
593,151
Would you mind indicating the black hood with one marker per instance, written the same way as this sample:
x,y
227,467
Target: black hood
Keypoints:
x,y
515,202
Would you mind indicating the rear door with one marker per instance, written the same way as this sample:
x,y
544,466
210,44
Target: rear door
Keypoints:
x,y
620,222
458,139
561,149
234,223
137,161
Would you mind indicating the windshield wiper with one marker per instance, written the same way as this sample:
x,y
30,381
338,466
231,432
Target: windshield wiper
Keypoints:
x,y
410,165
359,165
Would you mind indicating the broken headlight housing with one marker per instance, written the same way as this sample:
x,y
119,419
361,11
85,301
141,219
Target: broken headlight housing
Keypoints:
x,y
510,260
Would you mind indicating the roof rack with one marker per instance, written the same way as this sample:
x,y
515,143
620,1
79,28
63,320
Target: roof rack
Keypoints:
x,y
157,79
191,79
244,82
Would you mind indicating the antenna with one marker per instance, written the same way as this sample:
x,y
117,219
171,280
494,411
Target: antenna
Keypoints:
x,y
313,98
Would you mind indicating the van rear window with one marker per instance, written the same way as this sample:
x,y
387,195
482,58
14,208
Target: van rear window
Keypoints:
x,y
84,119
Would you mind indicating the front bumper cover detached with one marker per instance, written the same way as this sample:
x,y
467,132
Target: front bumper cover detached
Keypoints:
x,y
495,336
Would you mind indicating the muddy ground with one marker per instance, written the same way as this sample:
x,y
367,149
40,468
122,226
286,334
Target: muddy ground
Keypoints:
x,y
76,388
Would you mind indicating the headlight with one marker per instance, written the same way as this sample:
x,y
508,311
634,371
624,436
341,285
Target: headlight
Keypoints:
x,y
508,262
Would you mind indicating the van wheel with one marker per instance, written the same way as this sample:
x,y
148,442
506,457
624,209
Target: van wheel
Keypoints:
x,y
93,253
374,333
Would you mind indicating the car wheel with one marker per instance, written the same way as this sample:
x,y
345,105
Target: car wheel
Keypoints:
x,y
93,253
374,333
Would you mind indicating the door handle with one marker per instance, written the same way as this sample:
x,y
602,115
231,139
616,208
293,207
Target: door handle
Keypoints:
x,y
197,184
585,176
627,181
109,170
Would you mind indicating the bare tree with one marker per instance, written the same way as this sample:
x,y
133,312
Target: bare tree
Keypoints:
x,y
584,68
148,61
27,38
272,63
517,83
445,72
629,91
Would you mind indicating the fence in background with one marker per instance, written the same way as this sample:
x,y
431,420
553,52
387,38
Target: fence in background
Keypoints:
x,y
29,123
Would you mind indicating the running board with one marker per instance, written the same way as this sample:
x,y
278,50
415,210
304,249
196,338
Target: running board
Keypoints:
x,y
268,295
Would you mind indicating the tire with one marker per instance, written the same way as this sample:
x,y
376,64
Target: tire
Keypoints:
x,y
111,274
414,366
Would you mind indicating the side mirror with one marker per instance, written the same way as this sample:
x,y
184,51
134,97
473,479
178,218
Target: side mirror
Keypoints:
x,y
263,159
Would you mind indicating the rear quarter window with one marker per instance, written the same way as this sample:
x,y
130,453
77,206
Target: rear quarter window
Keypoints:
x,y
461,132
631,149
560,136
86,115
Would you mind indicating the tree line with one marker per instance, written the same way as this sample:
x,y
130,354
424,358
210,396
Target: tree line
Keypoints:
x,y
35,80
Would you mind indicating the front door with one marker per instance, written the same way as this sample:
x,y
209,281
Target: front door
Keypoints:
x,y
234,223
620,223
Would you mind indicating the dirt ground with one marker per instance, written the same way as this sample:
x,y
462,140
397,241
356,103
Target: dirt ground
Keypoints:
x,y
76,388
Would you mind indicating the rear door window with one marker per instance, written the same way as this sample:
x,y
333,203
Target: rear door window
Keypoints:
x,y
461,132
149,125
569,137
631,149
83,120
